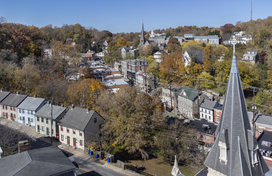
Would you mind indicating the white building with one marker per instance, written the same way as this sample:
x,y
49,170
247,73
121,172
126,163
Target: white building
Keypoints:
x,y
27,109
206,110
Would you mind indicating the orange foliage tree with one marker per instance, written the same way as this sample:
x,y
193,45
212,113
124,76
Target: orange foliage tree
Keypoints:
x,y
84,93
172,68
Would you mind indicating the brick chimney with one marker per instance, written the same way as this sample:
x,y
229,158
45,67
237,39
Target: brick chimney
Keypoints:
x,y
23,146
72,107
88,110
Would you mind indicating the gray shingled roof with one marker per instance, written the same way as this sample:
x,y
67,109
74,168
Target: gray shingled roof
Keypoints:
x,y
13,99
31,103
3,95
43,162
78,118
45,111
208,104
263,119
235,132
192,94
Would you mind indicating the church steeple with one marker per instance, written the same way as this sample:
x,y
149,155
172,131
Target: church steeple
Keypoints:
x,y
235,150
142,40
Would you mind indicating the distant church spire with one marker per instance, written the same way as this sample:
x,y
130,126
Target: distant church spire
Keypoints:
x,y
142,40
235,151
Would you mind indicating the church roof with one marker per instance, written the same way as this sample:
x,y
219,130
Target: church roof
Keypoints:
x,y
234,132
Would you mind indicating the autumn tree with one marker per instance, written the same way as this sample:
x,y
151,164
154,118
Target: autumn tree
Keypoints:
x,y
122,42
179,139
192,45
208,61
172,68
220,50
149,50
207,80
84,93
174,45
154,68
132,119
150,59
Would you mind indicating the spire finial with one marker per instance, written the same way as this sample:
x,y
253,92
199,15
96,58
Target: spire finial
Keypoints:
x,y
234,67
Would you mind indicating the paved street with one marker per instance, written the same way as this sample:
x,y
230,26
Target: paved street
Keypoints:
x,y
87,165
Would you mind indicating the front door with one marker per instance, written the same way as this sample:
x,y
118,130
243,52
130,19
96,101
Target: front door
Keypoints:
x,y
74,142
68,140
38,128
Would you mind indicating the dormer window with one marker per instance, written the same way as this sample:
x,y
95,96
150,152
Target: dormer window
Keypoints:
x,y
223,152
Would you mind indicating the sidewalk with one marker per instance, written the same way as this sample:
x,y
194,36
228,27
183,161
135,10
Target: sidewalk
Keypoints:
x,y
30,131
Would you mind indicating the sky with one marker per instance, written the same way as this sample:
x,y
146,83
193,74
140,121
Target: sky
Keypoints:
x,y
128,15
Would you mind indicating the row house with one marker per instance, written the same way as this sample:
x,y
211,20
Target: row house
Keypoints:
x,y
264,141
188,101
27,109
9,105
171,96
251,56
131,67
206,110
217,114
80,127
45,116
3,95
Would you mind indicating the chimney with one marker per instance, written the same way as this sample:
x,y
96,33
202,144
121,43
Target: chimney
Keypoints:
x,y
72,107
35,96
1,91
18,92
23,146
88,110
62,105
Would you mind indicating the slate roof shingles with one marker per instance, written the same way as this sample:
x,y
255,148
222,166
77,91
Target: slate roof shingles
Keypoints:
x,y
13,99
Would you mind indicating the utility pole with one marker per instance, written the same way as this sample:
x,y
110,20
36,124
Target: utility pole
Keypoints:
x,y
170,96
198,96
51,121
253,109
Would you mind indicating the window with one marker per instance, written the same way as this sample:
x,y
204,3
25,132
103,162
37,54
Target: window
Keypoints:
x,y
62,138
74,131
209,117
52,131
11,115
14,116
42,128
23,111
95,120
4,114
42,120
7,114
67,130
206,116
61,128
3,106
80,133
31,112
202,115
6,107
38,119
28,111
19,110
14,108
217,112
29,119
46,121
81,142
10,107
47,131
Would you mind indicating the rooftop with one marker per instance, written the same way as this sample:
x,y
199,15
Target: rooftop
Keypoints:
x,y
3,95
114,82
43,162
45,111
13,99
190,93
31,103
78,118
208,104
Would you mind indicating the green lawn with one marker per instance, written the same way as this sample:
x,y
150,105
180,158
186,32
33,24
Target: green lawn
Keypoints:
x,y
161,168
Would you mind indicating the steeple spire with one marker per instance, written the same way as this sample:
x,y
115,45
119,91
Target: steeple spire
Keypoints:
x,y
142,40
235,150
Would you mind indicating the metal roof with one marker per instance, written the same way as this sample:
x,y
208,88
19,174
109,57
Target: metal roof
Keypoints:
x,y
45,111
78,118
3,95
191,94
13,99
31,103
208,104
43,162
